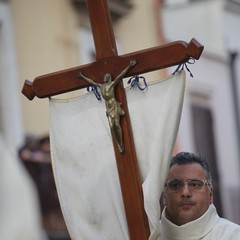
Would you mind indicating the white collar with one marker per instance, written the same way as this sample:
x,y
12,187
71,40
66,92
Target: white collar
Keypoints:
x,y
192,230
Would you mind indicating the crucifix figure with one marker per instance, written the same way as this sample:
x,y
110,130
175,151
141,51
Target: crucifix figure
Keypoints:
x,y
114,110
108,61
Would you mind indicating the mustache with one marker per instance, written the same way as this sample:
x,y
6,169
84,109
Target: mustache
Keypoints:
x,y
186,202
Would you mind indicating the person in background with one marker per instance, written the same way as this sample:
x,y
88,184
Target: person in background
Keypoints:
x,y
189,212
35,156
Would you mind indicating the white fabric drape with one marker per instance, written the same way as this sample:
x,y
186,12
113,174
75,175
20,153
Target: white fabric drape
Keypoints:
x,y
207,227
84,162
19,208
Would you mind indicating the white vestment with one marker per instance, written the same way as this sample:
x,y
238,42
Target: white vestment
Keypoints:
x,y
84,163
208,227
19,208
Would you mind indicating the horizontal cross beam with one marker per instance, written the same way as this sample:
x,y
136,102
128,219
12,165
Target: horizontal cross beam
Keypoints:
x,y
151,59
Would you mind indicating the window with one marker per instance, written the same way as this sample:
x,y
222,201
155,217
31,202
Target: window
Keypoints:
x,y
203,130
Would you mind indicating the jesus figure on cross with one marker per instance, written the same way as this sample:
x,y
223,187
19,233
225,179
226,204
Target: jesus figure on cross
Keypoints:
x,y
114,110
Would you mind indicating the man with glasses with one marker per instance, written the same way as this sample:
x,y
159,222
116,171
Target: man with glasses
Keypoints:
x,y
189,212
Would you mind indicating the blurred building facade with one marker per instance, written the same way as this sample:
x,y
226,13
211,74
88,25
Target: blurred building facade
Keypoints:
x,y
210,120
40,37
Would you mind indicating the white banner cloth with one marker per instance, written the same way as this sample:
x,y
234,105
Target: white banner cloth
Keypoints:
x,y
84,162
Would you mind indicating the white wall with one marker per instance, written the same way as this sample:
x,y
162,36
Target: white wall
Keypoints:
x,y
201,20
231,33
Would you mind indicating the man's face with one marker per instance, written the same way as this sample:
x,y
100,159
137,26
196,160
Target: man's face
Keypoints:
x,y
185,205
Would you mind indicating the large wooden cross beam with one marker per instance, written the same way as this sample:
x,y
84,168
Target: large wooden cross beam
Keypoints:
x,y
108,61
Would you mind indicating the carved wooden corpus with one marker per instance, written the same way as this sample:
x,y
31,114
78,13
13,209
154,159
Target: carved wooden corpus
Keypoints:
x,y
108,61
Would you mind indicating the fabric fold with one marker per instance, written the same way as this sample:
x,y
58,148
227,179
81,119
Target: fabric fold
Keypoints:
x,y
84,163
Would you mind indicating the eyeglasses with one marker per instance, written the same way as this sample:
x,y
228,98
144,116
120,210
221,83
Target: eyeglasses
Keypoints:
x,y
194,185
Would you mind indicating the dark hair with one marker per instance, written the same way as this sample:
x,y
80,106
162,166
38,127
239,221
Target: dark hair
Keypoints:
x,y
188,158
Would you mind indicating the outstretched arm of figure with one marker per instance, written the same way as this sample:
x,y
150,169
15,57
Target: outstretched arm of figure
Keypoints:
x,y
132,63
89,80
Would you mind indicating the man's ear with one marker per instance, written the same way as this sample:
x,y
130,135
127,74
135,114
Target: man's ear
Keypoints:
x,y
163,199
211,194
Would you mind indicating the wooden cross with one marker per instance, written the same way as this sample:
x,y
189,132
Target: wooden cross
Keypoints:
x,y
108,61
